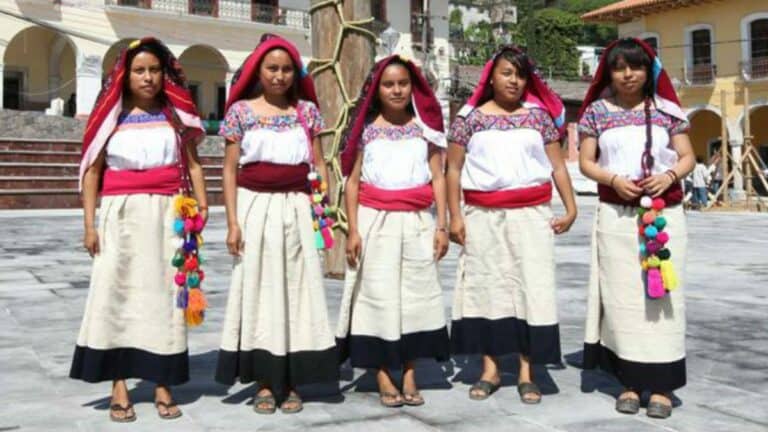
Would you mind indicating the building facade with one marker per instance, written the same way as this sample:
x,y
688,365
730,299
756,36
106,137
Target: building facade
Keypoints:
x,y
707,47
62,49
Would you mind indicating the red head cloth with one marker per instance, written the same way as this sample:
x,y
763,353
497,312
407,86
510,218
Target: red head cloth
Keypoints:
x,y
537,92
248,74
665,97
180,110
429,114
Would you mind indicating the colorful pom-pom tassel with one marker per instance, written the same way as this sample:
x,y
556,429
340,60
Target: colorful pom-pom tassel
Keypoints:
x,y
664,254
651,231
668,275
662,237
655,283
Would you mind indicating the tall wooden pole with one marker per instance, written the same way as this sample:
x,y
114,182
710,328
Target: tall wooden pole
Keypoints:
x,y
724,150
747,148
349,69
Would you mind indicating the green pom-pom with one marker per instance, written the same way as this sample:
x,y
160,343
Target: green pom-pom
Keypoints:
x,y
654,262
640,211
664,254
177,260
660,222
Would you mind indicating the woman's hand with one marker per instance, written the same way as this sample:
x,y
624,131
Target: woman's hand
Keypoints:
x,y
626,189
656,185
562,224
441,243
91,241
457,231
354,247
234,240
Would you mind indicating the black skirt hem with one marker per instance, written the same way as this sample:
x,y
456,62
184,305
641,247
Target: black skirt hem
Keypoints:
x,y
96,365
374,352
655,377
277,371
496,337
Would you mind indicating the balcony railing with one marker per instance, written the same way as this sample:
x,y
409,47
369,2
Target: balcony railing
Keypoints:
x,y
756,68
700,74
238,10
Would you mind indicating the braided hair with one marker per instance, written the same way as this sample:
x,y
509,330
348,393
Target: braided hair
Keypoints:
x,y
635,56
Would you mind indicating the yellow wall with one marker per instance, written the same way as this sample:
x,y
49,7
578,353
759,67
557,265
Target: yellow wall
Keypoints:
x,y
759,119
204,67
725,18
705,125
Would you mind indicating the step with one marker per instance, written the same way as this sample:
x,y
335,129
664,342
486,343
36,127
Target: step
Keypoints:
x,y
39,145
34,169
62,182
63,198
64,157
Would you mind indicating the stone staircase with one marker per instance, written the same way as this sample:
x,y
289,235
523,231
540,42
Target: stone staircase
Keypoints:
x,y
42,173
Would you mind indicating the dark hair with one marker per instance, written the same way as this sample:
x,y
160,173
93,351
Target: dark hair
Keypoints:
x,y
635,56
375,108
629,50
157,50
293,92
519,59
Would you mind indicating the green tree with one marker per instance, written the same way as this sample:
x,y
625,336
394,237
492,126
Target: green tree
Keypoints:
x,y
591,34
556,35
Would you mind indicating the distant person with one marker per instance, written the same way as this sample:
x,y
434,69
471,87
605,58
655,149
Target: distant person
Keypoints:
x,y
136,159
635,145
700,178
72,105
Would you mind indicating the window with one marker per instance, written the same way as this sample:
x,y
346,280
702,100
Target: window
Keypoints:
x,y
699,65
12,90
758,48
653,41
204,7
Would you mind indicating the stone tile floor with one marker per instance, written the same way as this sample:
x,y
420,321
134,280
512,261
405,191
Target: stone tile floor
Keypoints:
x,y
44,279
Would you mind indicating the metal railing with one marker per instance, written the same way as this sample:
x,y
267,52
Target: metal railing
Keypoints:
x,y
700,74
238,10
756,68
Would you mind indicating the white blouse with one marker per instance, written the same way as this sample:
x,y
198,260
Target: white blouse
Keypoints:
x,y
142,142
288,147
395,157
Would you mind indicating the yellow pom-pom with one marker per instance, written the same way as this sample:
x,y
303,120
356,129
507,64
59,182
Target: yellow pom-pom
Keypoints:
x,y
323,186
668,275
644,264
196,305
199,238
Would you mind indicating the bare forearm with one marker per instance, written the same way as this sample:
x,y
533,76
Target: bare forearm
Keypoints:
x,y
90,196
439,190
351,201
453,191
565,188
229,190
197,177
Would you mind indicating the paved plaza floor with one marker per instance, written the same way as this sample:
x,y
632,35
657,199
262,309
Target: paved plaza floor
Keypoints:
x,y
44,281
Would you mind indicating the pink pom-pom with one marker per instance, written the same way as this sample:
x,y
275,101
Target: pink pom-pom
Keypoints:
x,y
189,225
319,210
180,279
655,284
201,274
662,237
327,238
652,247
649,217
199,223
659,204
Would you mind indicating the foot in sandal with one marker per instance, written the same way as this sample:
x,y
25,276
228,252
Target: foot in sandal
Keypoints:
x,y
389,396
166,407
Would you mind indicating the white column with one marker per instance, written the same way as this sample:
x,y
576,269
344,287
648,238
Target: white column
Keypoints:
x,y
737,192
228,82
2,75
88,83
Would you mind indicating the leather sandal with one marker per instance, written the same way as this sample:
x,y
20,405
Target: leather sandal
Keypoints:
x,y
529,388
115,408
486,389
168,414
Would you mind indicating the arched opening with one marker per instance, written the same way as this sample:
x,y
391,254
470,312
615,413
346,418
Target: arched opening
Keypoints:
x,y
705,132
111,56
206,71
39,66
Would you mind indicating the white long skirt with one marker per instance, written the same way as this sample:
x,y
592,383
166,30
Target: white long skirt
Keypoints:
x,y
131,326
392,309
638,339
276,327
504,300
